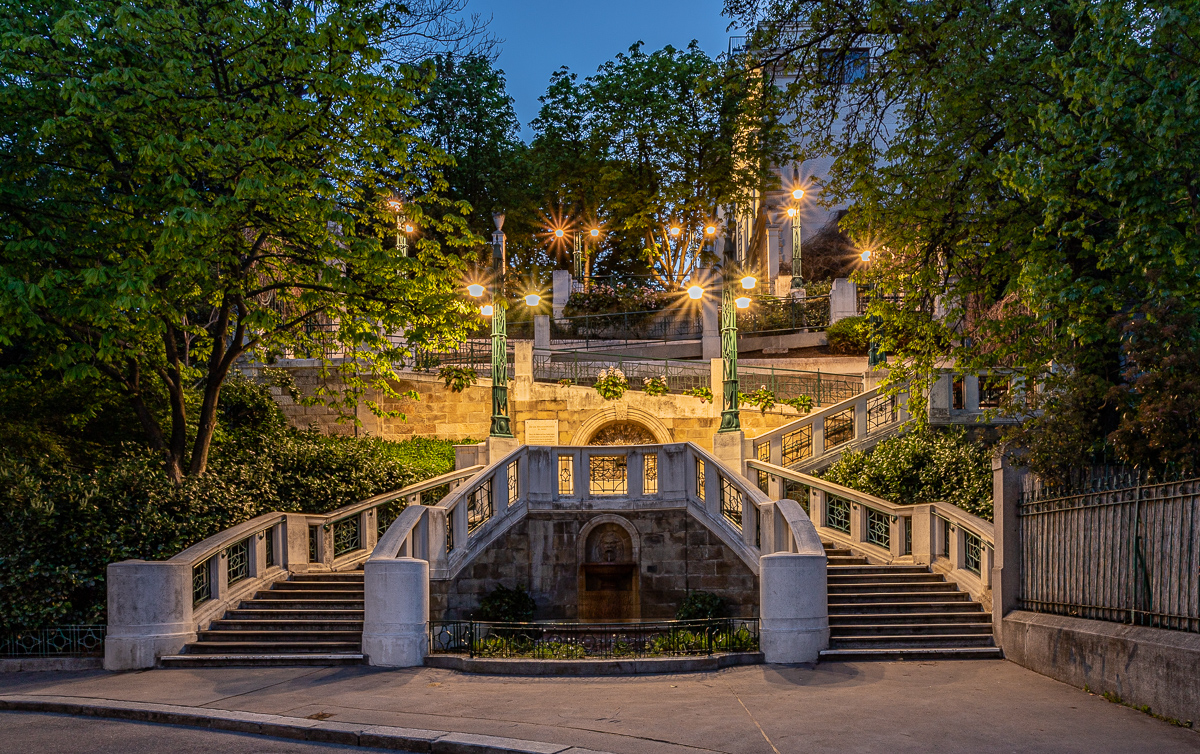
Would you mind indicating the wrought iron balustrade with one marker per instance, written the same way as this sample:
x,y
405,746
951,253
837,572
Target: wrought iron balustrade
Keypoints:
x,y
771,315
580,641
581,368
54,641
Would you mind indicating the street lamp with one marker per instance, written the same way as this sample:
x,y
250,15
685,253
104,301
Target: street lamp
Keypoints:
x,y
500,423
875,356
730,405
794,216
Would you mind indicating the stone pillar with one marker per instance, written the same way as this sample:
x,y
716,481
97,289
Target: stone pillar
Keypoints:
x,y
843,300
793,607
395,611
498,447
923,535
1007,484
774,251
562,291
149,612
541,332
295,537
728,448
710,340
523,368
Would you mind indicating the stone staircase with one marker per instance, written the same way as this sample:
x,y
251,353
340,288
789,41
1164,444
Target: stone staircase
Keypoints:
x,y
310,619
901,612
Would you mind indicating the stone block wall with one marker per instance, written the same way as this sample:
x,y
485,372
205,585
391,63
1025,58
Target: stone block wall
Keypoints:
x,y
678,553
443,414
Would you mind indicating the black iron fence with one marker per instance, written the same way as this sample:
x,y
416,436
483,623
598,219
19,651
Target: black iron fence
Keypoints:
x,y
598,330
55,641
1118,547
471,354
587,641
825,388
770,315
582,368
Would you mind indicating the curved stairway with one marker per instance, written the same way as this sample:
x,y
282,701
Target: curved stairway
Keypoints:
x,y
310,619
901,612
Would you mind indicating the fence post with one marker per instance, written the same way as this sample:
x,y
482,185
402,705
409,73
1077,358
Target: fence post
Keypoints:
x,y
1007,482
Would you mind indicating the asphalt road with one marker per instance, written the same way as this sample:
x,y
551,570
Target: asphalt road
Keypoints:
x,y
26,732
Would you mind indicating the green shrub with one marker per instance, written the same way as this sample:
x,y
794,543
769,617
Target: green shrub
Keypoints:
x,y
503,605
700,606
849,336
922,467
458,379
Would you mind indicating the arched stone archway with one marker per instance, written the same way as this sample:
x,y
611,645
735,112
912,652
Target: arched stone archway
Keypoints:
x,y
621,414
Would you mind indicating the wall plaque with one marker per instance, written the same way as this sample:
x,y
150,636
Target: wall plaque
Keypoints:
x,y
541,431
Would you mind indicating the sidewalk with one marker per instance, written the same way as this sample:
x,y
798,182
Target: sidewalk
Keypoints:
x,y
895,707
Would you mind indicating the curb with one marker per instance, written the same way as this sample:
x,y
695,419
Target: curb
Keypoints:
x,y
585,668
44,664
278,726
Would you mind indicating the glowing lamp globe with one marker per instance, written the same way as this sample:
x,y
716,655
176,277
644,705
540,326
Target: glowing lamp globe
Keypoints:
x,y
595,232
559,233
533,299
394,205
866,255
475,289
792,212
409,228
695,292
742,302
749,282
710,230
486,310
798,194
675,231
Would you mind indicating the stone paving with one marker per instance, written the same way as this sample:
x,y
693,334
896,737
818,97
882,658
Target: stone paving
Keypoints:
x,y
894,707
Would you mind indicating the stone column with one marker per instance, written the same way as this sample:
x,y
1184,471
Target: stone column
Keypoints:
x,y
793,607
523,370
395,611
541,332
562,291
843,300
1007,483
149,612
710,341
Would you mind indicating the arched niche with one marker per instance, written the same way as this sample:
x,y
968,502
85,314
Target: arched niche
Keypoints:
x,y
608,553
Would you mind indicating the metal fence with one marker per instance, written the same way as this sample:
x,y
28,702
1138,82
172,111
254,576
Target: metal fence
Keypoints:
x,y
471,354
598,330
771,315
825,388
581,368
579,641
56,641
1122,548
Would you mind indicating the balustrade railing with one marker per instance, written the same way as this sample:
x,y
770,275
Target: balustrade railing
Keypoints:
x,y
591,331
582,367
53,641
935,533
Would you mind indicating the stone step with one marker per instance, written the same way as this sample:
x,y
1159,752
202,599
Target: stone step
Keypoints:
x,y
309,594
275,611
283,633
258,660
273,647
321,576
273,623
892,586
856,570
884,578
939,641
873,597
318,586
846,560
908,629
978,617
912,653
301,604
876,608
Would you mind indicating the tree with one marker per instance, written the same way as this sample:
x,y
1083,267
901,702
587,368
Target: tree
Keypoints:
x,y
1029,170
186,183
654,141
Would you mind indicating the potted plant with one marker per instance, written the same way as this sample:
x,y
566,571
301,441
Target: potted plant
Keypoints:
x,y
611,383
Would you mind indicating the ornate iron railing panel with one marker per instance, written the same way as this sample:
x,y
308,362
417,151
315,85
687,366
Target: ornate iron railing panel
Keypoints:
x,y
731,502
1122,548
55,641
879,528
581,368
839,428
590,331
837,514
772,315
514,483
587,641
881,411
479,506
202,582
566,475
608,475
973,552
314,538
799,492
797,445
347,536
238,561
650,474
786,384
700,479
269,547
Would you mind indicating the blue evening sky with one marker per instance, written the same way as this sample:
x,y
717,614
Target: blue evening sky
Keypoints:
x,y
540,35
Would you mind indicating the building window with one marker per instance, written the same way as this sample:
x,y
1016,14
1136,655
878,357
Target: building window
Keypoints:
x,y
992,391
959,401
843,66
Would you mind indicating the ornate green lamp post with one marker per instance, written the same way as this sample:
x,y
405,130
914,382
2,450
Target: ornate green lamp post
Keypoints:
x,y
500,423
730,418
794,216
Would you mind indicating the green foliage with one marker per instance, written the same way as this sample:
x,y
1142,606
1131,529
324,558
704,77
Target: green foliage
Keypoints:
x,y
605,299
185,185
611,384
762,399
245,406
919,467
705,394
504,605
458,379
802,403
566,382
849,336
655,385
701,606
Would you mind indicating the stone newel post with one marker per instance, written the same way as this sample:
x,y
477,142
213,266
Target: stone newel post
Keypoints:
x,y
396,611
792,607
149,612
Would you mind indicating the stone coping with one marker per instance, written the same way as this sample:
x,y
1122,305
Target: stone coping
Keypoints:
x,y
43,664
279,726
584,668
